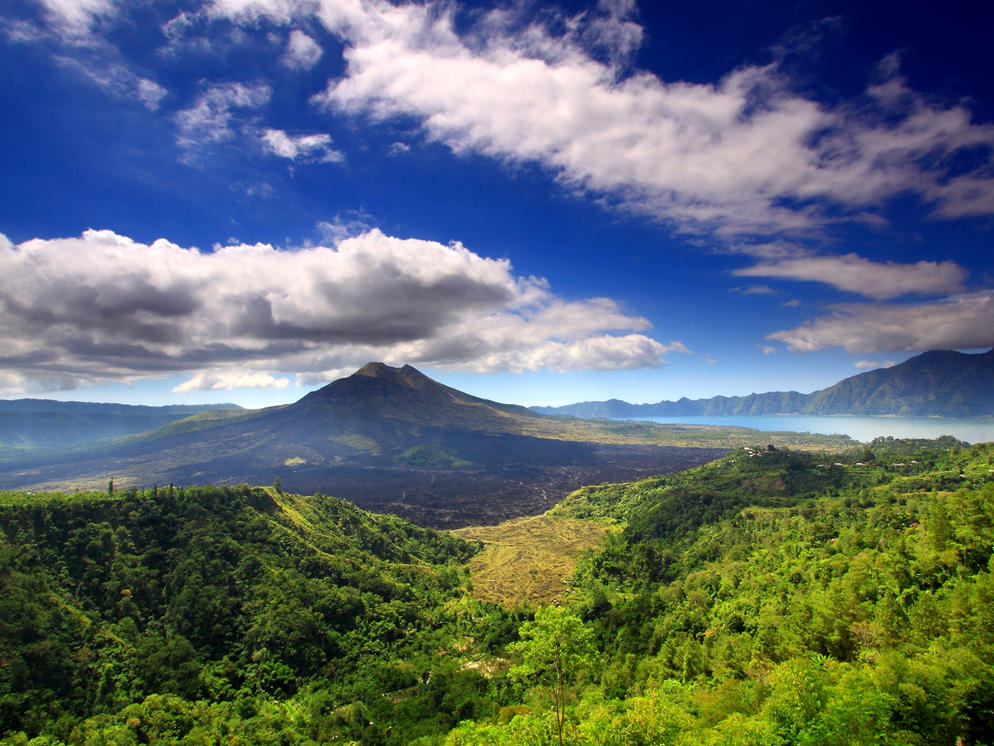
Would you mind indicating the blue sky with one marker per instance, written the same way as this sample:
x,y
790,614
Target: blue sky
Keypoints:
x,y
238,200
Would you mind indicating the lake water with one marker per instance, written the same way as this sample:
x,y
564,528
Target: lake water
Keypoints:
x,y
860,428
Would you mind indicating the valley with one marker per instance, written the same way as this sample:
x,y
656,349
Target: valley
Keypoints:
x,y
530,560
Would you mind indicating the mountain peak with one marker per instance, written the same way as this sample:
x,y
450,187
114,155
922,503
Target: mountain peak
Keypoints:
x,y
375,370
378,394
406,374
383,386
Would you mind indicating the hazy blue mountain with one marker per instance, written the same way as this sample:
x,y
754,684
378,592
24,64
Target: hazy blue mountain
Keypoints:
x,y
940,383
44,424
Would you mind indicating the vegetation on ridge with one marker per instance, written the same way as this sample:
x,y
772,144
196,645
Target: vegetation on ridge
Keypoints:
x,y
843,604
770,597
225,612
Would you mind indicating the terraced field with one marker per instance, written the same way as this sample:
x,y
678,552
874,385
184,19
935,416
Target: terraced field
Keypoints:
x,y
529,560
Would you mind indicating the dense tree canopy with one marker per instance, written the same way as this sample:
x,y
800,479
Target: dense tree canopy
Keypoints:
x,y
770,597
217,609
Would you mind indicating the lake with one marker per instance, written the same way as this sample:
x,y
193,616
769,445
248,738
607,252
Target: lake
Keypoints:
x,y
860,428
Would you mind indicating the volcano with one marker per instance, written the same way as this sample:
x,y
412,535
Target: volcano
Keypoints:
x,y
389,439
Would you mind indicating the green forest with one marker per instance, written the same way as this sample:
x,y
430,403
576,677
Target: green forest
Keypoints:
x,y
769,597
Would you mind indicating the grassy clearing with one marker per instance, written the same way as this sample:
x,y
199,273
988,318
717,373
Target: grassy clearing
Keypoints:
x,y
529,560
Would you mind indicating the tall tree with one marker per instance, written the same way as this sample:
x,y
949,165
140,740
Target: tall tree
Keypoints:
x,y
554,648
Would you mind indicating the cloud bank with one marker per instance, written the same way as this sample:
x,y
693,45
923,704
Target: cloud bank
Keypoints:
x,y
105,307
747,156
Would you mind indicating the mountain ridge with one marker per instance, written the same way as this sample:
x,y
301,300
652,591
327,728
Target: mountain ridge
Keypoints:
x,y
937,383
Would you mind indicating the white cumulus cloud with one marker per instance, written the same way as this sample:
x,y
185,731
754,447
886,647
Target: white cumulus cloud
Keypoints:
x,y
105,307
226,380
871,364
315,147
75,17
302,52
150,93
117,80
745,155
210,118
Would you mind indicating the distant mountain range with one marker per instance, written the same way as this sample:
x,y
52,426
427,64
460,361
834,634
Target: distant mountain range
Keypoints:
x,y
940,383
47,424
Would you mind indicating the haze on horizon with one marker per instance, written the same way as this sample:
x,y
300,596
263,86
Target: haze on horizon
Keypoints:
x,y
240,200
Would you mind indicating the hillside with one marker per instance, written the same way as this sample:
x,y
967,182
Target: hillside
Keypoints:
x,y
394,440
776,598
941,383
768,597
237,609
